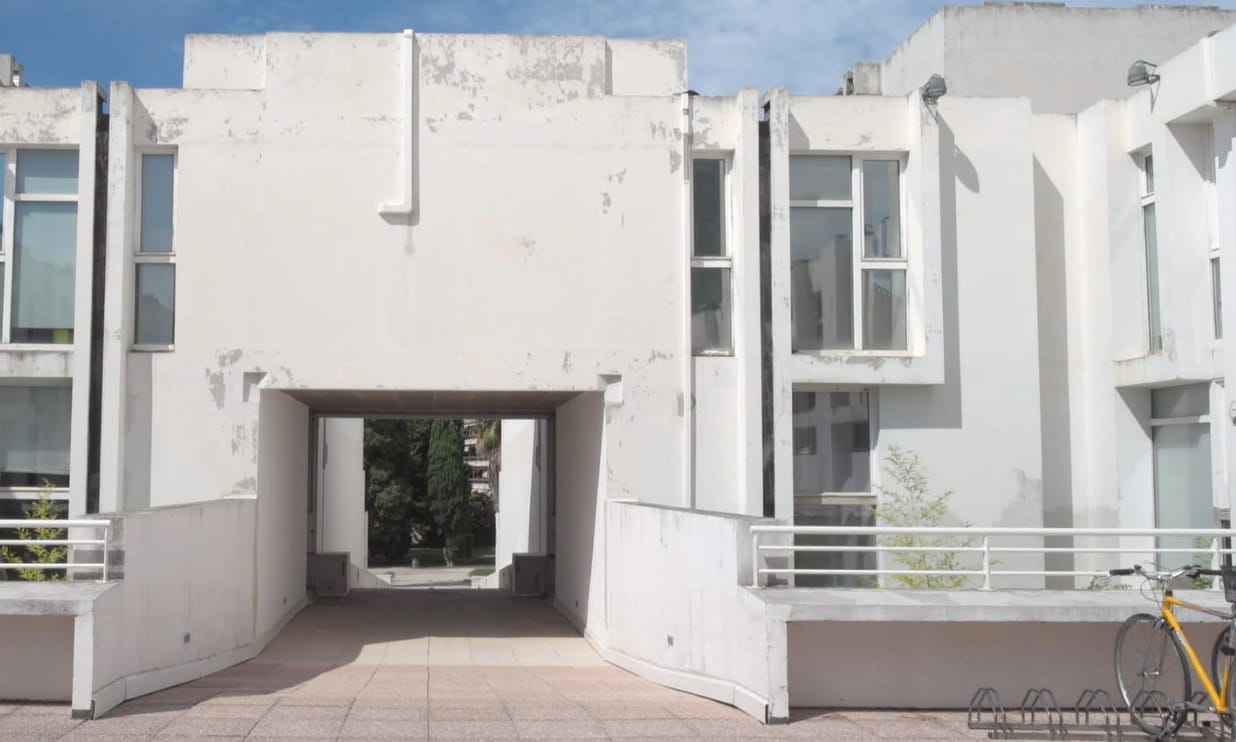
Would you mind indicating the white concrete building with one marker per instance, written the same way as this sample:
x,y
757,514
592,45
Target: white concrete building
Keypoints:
x,y
674,315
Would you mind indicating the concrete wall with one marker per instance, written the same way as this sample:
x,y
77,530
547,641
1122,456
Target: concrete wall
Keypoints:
x,y
343,525
940,665
1062,58
38,655
679,613
582,485
282,508
185,607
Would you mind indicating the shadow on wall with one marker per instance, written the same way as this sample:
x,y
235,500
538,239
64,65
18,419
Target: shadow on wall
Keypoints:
x,y
939,406
577,516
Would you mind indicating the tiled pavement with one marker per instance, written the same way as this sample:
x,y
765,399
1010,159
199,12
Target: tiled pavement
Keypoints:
x,y
398,665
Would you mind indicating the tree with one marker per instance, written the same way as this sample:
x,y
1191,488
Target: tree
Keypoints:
x,y
909,502
489,445
447,484
396,452
44,508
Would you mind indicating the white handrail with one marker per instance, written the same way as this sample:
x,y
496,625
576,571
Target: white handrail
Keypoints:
x,y
101,538
979,545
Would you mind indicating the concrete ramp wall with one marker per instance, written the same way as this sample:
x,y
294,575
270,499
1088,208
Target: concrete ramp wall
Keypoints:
x,y
679,613
185,607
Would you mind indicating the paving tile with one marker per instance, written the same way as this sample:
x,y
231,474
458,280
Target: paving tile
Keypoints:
x,y
226,711
694,707
734,728
316,701
384,729
560,729
308,728
547,711
472,730
488,712
293,713
625,710
647,728
386,712
909,729
14,726
199,727
128,723
44,709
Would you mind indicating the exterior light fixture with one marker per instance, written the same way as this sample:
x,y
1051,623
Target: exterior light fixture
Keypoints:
x,y
1142,73
934,89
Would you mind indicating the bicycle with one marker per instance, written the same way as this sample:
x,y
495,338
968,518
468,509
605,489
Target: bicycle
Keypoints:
x,y
1157,691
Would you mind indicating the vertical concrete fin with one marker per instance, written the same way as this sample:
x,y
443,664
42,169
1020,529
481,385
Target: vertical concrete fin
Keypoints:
x,y
405,206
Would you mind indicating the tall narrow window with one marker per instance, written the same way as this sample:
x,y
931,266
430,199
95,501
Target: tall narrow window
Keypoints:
x,y
1212,228
1151,242
1216,287
42,242
155,315
34,435
843,297
711,263
1180,438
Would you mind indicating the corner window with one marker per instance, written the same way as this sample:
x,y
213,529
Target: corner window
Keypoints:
x,y
155,260
843,298
711,262
38,250
1150,242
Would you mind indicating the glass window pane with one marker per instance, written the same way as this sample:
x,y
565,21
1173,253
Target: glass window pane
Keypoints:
x,y
1148,170
821,279
820,178
834,515
1154,323
881,209
708,207
1190,400
157,174
840,460
710,309
884,310
44,243
1182,484
34,435
1216,287
47,171
156,304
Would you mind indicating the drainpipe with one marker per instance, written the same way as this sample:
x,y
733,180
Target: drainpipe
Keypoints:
x,y
688,378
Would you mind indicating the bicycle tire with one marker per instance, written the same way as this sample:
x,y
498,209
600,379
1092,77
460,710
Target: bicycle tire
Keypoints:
x,y
1220,662
1150,681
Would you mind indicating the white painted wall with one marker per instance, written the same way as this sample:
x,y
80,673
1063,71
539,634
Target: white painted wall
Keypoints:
x,y
522,520
282,508
1048,53
582,484
679,607
343,526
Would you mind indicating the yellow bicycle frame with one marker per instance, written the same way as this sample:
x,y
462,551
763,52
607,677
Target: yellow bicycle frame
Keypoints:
x,y
1219,700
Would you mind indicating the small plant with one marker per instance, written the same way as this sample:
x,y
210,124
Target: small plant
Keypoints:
x,y
43,508
909,502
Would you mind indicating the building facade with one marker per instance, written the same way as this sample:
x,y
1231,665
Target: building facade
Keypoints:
x,y
711,311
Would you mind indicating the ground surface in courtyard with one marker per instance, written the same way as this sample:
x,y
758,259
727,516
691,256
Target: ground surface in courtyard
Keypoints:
x,y
443,665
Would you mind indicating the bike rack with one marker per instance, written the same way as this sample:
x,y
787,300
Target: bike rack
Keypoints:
x,y
1094,717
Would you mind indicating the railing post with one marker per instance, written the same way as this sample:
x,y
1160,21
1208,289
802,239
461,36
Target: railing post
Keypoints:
x,y
986,563
106,543
1216,561
755,559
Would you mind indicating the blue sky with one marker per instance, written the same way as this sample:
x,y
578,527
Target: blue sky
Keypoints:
x,y
803,44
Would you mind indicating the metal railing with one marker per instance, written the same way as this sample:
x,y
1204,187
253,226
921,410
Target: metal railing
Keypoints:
x,y
101,530
979,554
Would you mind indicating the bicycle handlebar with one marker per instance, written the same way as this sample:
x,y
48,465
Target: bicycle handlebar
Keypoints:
x,y
1189,570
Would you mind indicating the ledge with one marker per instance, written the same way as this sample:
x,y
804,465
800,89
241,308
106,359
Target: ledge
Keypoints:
x,y
50,598
1052,606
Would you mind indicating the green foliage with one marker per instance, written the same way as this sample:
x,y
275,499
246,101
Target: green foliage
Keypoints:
x,y
907,501
489,445
396,453
44,508
447,487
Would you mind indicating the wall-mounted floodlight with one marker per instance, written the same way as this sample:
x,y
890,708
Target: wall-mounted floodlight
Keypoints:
x,y
934,89
1142,73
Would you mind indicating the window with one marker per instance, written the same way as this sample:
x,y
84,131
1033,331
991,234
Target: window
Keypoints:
x,y
834,457
1216,297
1212,223
711,264
1151,244
155,312
1180,441
38,246
833,198
34,435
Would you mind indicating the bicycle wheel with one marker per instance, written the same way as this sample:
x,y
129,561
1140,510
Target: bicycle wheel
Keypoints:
x,y
1153,674
1221,663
